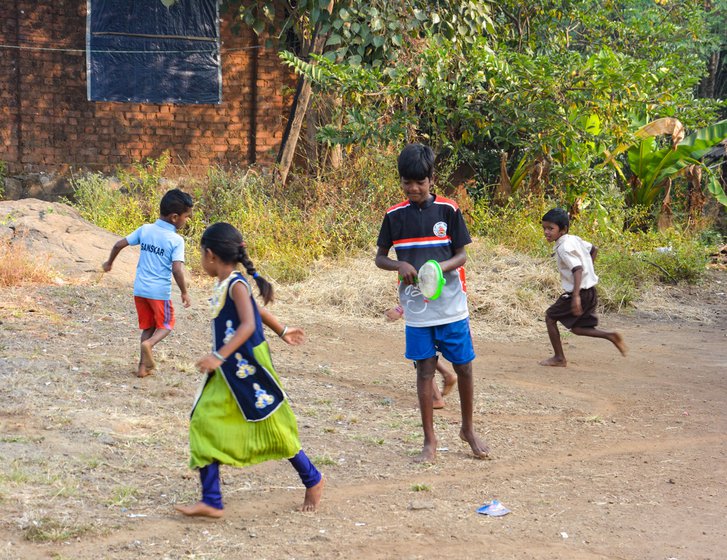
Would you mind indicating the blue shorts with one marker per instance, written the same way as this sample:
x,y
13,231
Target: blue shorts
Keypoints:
x,y
453,340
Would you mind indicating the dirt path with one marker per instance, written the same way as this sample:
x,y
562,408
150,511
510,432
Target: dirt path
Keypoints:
x,y
611,458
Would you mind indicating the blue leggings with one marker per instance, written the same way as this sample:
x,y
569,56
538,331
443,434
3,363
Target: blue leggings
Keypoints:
x,y
210,478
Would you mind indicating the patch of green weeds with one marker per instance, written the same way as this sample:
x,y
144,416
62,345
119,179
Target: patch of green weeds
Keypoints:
x,y
47,529
17,473
123,496
421,487
324,460
20,439
370,439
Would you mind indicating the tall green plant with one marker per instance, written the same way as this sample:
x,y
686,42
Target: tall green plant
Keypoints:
x,y
650,165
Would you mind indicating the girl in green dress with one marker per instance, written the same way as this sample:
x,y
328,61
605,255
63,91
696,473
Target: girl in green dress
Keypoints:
x,y
241,415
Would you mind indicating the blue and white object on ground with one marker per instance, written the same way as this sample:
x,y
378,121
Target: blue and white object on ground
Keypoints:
x,y
493,509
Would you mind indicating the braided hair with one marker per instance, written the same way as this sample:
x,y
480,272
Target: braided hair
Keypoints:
x,y
226,242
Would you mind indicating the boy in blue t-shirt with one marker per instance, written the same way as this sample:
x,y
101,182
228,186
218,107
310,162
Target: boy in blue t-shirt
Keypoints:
x,y
425,227
162,256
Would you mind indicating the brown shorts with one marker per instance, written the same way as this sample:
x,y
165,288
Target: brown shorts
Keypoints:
x,y
561,310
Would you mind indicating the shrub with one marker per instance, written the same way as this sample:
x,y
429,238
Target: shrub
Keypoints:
x,y
628,262
287,229
18,267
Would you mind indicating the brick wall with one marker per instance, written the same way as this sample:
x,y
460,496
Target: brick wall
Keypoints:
x,y
46,123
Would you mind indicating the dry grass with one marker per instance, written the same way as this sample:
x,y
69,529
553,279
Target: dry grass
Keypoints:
x,y
667,303
18,266
507,292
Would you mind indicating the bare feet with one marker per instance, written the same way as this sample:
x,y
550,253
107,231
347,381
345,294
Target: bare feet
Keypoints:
x,y
450,380
200,509
428,454
143,371
554,362
313,496
147,360
618,342
438,404
480,449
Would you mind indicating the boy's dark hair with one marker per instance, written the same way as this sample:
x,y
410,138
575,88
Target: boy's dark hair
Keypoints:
x,y
557,216
175,202
416,162
225,241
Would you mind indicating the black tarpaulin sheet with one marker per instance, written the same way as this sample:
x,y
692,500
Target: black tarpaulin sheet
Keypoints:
x,y
153,51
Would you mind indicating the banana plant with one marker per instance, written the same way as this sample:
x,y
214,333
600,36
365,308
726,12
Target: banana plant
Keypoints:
x,y
652,167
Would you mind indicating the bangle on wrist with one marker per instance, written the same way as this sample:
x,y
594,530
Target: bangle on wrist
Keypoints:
x,y
283,332
219,356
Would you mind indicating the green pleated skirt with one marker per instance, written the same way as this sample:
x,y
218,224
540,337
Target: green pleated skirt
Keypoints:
x,y
218,432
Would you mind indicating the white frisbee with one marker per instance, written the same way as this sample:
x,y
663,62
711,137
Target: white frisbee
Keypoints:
x,y
431,280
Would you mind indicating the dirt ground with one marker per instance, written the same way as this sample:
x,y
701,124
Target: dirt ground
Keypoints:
x,y
610,458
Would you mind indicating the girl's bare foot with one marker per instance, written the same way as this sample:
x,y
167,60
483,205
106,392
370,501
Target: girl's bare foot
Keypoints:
x,y
200,509
618,342
554,362
313,497
438,404
480,449
143,371
428,454
450,380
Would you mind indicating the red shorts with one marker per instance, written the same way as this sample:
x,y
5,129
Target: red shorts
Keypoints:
x,y
154,313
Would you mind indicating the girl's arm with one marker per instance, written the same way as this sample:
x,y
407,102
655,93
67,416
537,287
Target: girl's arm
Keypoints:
x,y
291,335
243,305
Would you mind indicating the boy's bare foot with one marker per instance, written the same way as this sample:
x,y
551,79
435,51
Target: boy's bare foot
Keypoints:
x,y
428,454
618,342
554,362
480,449
313,496
438,404
147,360
200,509
450,380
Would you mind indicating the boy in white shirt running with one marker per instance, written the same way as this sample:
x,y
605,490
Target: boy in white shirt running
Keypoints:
x,y
576,308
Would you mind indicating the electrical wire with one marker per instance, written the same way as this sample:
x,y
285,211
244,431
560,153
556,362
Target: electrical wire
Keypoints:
x,y
107,51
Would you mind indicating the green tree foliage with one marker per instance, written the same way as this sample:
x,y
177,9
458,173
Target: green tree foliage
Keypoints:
x,y
370,32
555,81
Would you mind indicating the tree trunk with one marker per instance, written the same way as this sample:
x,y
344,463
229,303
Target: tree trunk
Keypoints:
x,y
666,216
287,150
695,196
504,187
538,175
297,112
